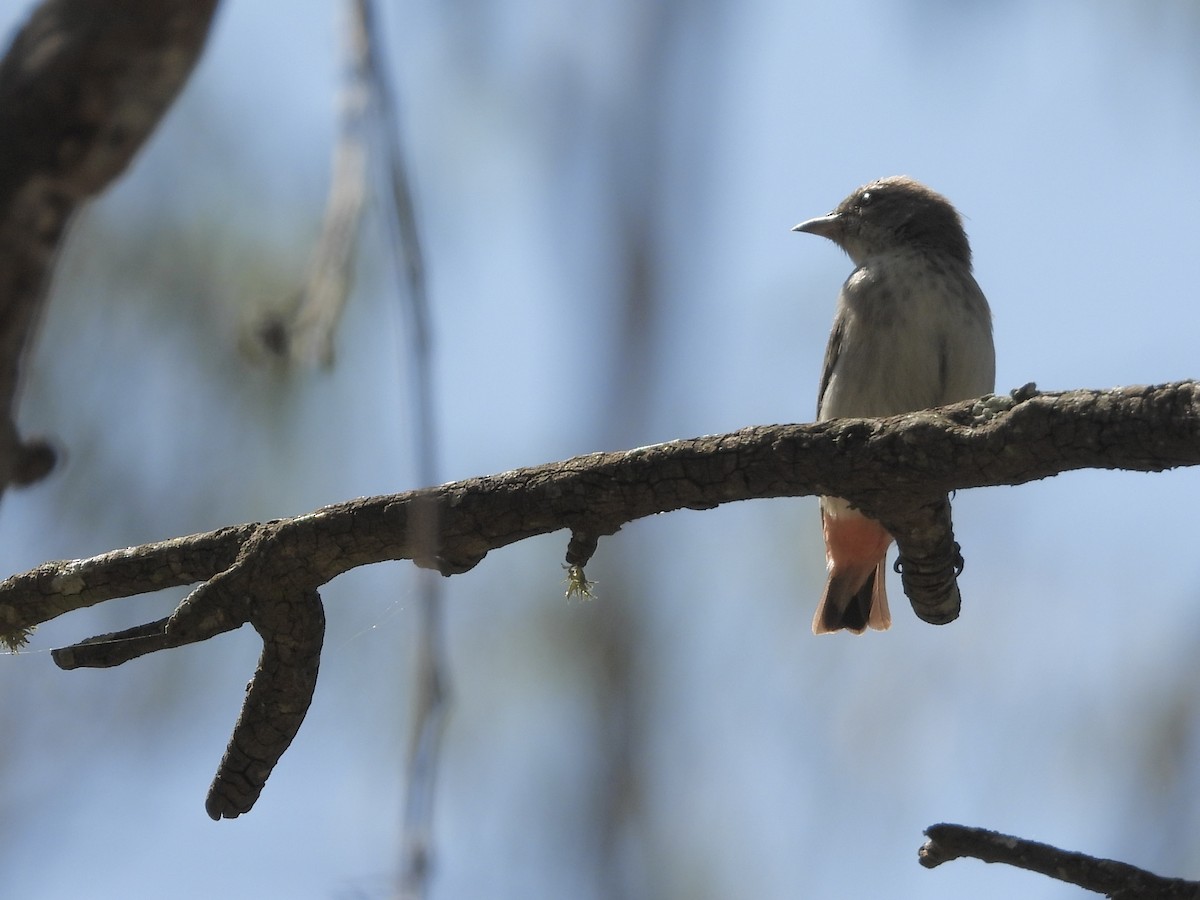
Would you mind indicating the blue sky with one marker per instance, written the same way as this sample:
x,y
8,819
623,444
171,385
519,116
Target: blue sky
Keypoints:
x,y
769,763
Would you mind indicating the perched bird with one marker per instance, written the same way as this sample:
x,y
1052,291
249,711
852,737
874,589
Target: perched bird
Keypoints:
x,y
912,331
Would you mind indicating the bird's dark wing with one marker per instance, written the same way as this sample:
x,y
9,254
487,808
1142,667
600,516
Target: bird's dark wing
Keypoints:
x,y
832,350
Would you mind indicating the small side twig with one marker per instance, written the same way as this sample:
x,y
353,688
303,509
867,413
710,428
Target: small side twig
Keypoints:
x,y
929,560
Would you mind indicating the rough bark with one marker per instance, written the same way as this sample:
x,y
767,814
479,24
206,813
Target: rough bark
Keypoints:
x,y
896,469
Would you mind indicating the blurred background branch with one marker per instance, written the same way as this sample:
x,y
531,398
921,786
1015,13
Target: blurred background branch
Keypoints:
x,y
81,88
431,685
303,331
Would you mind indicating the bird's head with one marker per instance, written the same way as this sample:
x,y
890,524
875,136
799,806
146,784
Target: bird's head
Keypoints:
x,y
892,214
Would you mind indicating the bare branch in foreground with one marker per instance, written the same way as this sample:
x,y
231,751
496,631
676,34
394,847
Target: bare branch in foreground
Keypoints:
x,y
1117,880
82,87
894,469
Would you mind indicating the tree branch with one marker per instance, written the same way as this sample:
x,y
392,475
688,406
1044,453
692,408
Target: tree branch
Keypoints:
x,y
1116,880
81,88
897,470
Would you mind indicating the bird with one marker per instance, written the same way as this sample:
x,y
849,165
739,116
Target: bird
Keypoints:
x,y
912,330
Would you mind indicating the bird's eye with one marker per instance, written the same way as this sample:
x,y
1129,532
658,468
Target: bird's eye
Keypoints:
x,y
865,199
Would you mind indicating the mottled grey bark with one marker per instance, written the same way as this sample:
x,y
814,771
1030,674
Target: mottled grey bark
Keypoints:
x,y
267,574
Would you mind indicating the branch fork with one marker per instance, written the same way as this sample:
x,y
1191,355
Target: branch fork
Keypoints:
x,y
898,470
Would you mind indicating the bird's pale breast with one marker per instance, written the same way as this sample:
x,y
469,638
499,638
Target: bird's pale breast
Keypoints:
x,y
915,332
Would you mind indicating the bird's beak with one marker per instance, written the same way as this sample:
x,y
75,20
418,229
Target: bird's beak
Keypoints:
x,y
829,226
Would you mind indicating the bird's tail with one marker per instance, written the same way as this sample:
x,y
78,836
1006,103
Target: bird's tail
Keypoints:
x,y
855,596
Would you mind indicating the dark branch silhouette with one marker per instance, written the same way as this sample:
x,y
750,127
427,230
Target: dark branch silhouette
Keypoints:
x,y
895,469
1116,880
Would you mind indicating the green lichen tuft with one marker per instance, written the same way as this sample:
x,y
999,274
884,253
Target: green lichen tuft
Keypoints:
x,y
16,639
578,586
